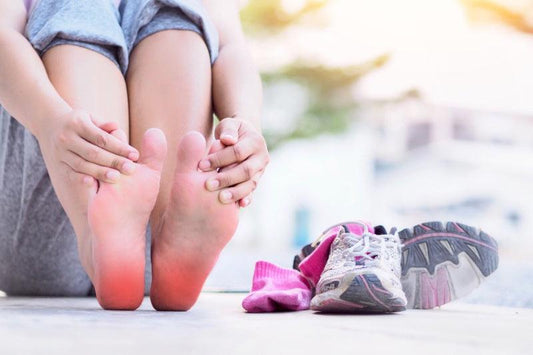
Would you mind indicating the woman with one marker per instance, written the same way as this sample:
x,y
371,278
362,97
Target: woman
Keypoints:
x,y
79,79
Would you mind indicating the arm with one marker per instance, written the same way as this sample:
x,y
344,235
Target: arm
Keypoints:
x,y
28,95
237,98
25,91
237,87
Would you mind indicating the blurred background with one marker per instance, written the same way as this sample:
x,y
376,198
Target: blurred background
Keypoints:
x,y
396,112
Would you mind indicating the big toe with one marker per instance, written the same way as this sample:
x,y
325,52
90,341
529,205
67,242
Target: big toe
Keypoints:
x,y
153,149
191,150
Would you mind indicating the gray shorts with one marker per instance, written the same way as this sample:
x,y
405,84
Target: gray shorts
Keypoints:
x,y
38,250
100,26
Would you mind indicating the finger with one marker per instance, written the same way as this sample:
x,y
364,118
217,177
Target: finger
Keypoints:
x,y
77,178
229,155
227,131
216,146
99,156
120,135
125,166
104,140
245,202
238,192
82,166
109,127
238,174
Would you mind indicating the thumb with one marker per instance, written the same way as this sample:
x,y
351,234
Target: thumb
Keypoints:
x,y
228,131
106,126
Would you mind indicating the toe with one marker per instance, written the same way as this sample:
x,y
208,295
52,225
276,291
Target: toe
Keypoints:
x,y
191,150
153,149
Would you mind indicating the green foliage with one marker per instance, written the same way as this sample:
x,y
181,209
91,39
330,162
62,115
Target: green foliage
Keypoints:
x,y
331,108
326,81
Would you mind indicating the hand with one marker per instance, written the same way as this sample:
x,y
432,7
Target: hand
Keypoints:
x,y
85,145
241,160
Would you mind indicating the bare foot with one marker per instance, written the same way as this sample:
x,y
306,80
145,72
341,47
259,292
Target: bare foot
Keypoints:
x,y
193,231
118,215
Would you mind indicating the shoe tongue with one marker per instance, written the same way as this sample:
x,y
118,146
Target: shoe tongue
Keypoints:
x,y
357,228
380,230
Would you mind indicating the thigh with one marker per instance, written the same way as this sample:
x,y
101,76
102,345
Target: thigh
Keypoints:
x,y
38,250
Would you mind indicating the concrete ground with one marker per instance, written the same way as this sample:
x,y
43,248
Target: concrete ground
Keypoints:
x,y
218,325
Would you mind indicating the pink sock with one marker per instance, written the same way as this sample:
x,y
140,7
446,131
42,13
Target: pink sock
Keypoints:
x,y
277,289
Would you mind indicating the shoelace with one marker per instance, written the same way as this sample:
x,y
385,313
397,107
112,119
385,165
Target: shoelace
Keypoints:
x,y
368,247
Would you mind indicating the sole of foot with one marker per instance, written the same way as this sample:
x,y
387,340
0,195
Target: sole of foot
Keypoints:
x,y
442,262
118,215
194,229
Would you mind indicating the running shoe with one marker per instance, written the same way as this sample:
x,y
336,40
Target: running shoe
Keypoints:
x,y
442,262
362,274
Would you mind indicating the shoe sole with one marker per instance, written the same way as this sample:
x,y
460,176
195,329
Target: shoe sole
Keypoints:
x,y
359,293
443,262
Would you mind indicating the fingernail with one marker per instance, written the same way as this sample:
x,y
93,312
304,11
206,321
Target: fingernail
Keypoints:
x,y
246,201
113,175
226,196
228,136
205,164
212,184
133,156
128,167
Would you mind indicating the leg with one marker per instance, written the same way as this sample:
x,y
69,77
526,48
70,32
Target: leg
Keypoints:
x,y
110,222
99,88
169,86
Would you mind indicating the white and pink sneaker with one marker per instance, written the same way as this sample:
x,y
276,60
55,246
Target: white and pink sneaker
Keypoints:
x,y
362,274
